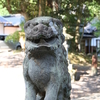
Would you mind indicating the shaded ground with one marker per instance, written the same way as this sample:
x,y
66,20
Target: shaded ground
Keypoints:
x,y
11,59
12,83
88,87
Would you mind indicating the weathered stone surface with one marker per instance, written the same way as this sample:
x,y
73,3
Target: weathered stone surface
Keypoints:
x,y
45,65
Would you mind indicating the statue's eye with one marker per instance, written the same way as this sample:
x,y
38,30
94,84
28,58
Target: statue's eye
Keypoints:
x,y
28,24
36,23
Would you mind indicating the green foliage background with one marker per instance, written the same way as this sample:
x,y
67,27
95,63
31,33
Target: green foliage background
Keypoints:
x,y
3,11
13,37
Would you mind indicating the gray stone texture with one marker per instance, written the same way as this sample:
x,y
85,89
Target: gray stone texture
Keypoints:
x,y
45,65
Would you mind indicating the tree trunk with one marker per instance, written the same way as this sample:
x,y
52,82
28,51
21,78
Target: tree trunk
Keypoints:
x,y
42,7
59,4
54,5
8,6
77,38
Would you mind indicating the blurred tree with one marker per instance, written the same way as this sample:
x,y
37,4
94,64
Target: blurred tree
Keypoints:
x,y
28,8
3,11
97,33
76,13
94,8
73,15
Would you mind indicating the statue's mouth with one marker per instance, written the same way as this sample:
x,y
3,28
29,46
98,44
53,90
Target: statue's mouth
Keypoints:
x,y
42,44
44,41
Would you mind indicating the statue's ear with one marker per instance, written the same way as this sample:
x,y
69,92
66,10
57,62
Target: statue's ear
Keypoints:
x,y
63,38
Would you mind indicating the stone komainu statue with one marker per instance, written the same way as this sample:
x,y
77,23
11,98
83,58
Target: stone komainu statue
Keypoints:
x,y
45,65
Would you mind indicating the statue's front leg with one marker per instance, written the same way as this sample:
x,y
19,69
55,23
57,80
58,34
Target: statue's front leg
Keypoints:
x,y
30,91
30,88
52,92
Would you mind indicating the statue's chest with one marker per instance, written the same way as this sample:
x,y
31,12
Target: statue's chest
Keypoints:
x,y
40,70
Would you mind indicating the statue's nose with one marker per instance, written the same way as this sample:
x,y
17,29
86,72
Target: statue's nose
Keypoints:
x,y
40,27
